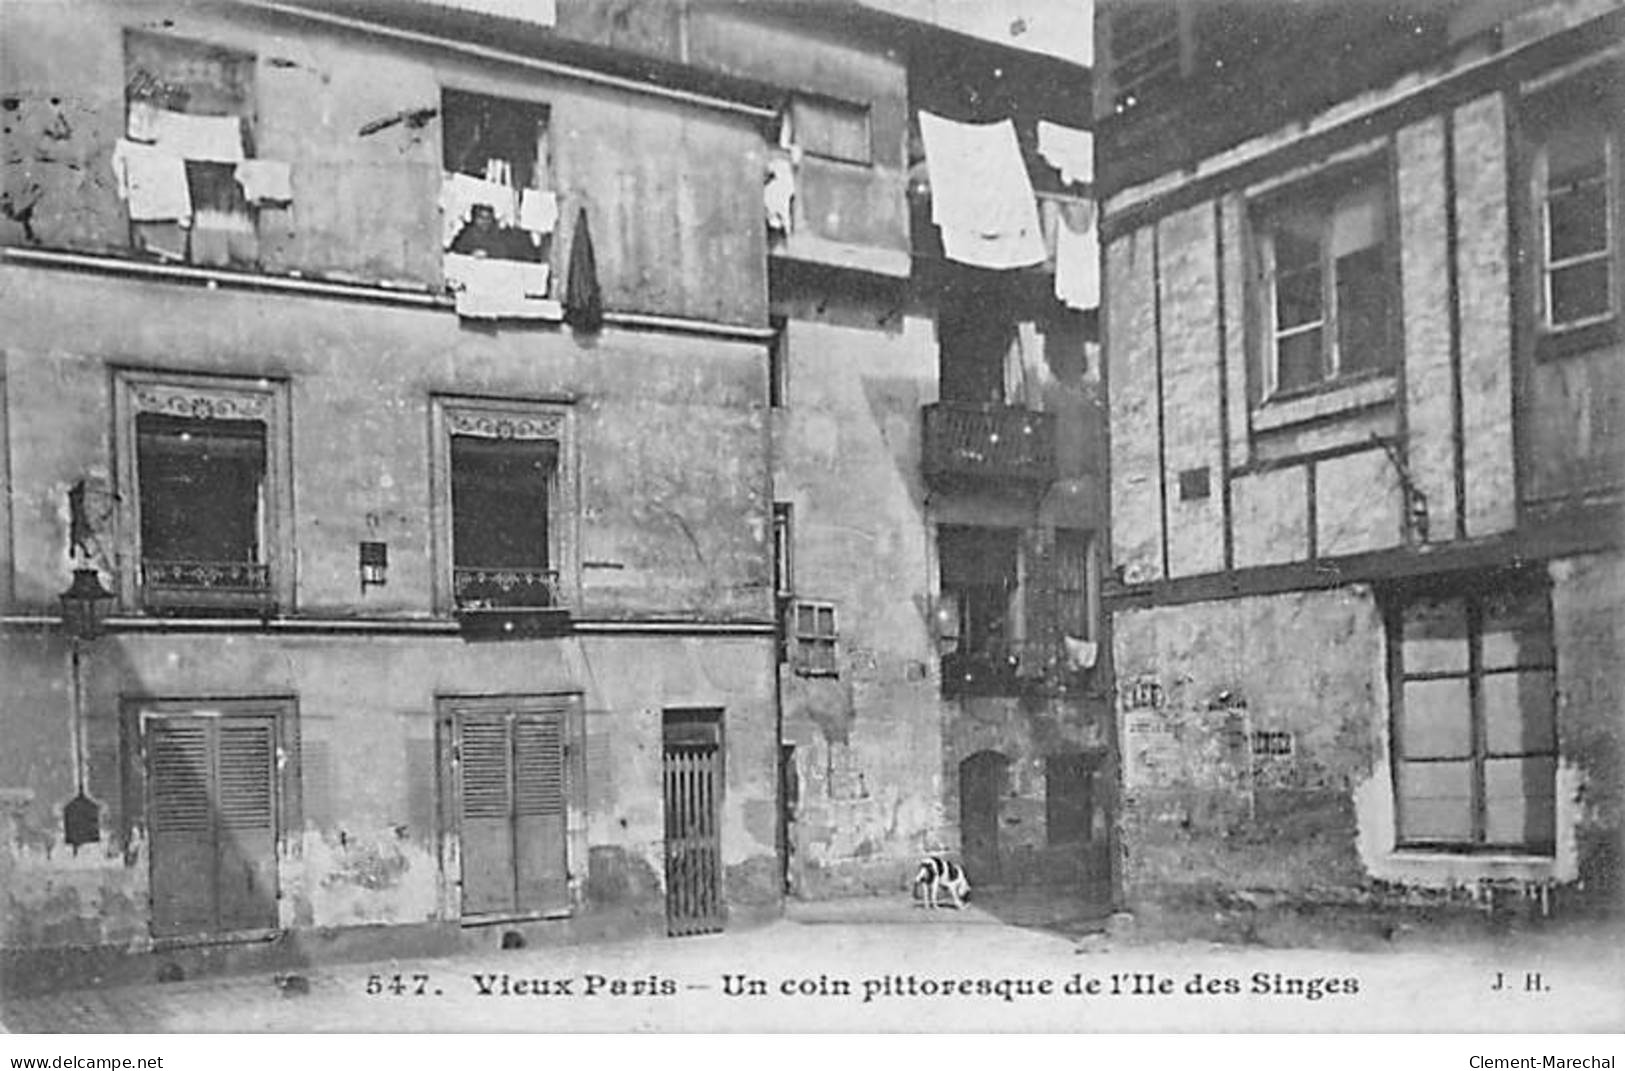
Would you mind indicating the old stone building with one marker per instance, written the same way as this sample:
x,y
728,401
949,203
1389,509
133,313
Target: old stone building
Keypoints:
x,y
1362,309
438,505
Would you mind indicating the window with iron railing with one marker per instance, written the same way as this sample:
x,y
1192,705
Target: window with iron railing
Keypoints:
x,y
502,532
500,491
206,461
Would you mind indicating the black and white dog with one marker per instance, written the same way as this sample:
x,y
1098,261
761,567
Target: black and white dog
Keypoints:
x,y
938,875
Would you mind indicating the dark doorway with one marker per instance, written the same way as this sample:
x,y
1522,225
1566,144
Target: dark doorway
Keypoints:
x,y
1076,820
982,780
691,768
789,798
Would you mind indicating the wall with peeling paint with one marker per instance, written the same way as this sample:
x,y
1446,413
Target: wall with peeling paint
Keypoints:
x,y
847,460
673,192
671,479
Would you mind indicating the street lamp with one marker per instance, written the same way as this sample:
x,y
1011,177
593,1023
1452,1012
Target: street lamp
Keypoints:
x,y
84,605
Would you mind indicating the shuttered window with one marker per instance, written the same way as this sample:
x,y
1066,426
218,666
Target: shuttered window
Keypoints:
x,y
1475,721
511,810
212,816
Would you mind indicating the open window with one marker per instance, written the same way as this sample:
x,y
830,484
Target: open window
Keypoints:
x,y
979,619
1327,286
498,205
1474,717
1574,133
505,532
186,167
206,463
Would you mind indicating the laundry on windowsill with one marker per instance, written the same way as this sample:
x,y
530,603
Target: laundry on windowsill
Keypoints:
x,y
490,288
460,193
265,181
538,211
981,197
1067,149
152,182
214,138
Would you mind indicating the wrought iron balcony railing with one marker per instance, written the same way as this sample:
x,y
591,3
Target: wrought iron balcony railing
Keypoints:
x,y
505,588
965,442
171,585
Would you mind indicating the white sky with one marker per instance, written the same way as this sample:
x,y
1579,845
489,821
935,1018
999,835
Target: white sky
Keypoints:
x,y
1063,28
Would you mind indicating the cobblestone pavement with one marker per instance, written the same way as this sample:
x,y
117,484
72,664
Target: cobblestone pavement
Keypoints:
x,y
817,973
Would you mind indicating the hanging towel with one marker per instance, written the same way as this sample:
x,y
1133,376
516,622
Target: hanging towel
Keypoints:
x,y
265,181
216,138
494,289
778,194
981,197
1069,150
152,182
539,211
583,301
1077,258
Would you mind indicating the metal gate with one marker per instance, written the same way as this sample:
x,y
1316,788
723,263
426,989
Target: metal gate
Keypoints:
x,y
691,765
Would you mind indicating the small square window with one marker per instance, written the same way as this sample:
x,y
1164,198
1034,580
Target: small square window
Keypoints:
x,y
815,636
831,128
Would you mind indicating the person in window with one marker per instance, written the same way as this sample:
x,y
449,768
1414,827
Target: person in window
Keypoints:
x,y
481,236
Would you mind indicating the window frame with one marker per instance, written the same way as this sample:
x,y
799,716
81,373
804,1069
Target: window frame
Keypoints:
x,y
853,109
138,391
1368,168
541,420
807,642
1585,95
458,274
247,116
1473,593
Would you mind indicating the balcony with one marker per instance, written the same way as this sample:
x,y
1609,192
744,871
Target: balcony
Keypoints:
x,y
170,586
509,602
970,445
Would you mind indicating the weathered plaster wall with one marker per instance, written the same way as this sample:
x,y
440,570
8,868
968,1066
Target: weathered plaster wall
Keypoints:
x,y
1194,684
672,445
673,191
374,847
1305,477
847,459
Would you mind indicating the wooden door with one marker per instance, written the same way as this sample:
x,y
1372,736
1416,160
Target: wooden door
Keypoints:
x,y
982,779
511,811
212,807
691,764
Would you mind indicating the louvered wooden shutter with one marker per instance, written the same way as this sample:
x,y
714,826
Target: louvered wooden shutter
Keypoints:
x,y
539,848
181,823
246,831
213,822
485,821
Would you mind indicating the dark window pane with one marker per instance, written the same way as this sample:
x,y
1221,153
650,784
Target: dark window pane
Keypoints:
x,y
1298,299
1363,312
499,494
1579,292
1298,360
200,483
1578,221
